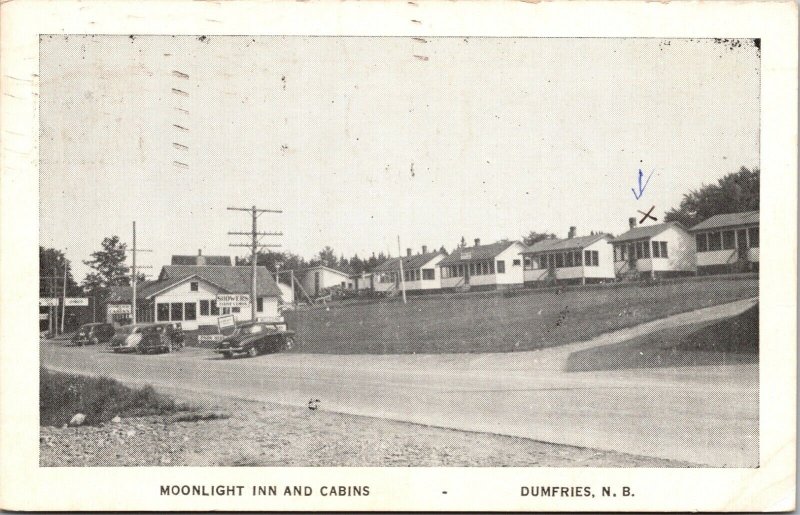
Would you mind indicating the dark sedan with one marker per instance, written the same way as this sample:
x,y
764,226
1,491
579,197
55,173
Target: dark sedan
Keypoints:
x,y
91,334
254,338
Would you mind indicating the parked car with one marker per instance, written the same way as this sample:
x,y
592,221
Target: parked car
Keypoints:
x,y
254,338
161,336
91,334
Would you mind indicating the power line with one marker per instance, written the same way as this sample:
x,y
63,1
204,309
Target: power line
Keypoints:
x,y
254,247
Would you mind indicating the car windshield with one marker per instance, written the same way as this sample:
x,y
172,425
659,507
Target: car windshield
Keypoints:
x,y
252,329
129,329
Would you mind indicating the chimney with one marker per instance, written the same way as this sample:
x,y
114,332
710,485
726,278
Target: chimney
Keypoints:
x,y
199,252
632,222
408,252
424,249
200,259
572,231
477,241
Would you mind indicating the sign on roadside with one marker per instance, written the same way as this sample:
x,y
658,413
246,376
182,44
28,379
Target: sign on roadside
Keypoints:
x,y
226,321
49,302
209,338
119,309
43,316
233,301
76,301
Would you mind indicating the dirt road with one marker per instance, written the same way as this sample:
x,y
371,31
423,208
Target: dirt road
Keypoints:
x,y
703,415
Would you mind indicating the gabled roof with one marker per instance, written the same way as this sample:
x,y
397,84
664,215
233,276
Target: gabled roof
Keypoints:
x,y
477,253
124,293
232,279
201,260
409,262
646,231
554,244
728,220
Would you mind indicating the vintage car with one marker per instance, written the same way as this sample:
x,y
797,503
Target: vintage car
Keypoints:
x,y
163,337
91,334
254,338
143,338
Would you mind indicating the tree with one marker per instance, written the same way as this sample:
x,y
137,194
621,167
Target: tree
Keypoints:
x,y
327,256
535,236
443,250
109,267
51,264
733,193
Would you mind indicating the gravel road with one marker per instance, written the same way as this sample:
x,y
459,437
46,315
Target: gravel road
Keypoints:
x,y
706,415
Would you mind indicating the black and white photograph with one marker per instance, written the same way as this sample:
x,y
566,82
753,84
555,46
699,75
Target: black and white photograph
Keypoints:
x,y
326,265
395,251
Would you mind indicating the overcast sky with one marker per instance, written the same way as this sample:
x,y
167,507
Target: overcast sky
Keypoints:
x,y
358,140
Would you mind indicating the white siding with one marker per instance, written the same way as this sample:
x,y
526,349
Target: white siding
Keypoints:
x,y
327,279
681,255
604,269
181,293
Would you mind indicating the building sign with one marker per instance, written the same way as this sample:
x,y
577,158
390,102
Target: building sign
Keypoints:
x,y
233,301
209,338
226,321
466,255
49,302
76,301
119,309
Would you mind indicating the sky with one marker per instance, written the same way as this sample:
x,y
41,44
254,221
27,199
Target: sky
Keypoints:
x,y
361,140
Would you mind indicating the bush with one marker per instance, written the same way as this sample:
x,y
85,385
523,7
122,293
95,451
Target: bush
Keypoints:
x,y
99,398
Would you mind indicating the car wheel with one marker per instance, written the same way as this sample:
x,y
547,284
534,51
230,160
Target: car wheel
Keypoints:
x,y
227,355
252,351
288,343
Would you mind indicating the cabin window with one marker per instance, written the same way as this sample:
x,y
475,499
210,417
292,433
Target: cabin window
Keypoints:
x,y
226,311
714,241
491,267
702,242
646,248
428,274
190,311
214,308
236,310
204,307
516,262
260,304
656,250
559,260
176,311
501,267
728,240
569,259
194,286
162,312
663,245
753,237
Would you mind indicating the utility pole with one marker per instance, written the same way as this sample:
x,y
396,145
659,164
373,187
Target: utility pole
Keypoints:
x,y
134,278
64,290
402,278
254,246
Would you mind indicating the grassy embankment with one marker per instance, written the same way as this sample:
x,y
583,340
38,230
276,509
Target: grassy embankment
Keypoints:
x,y
726,342
63,395
494,322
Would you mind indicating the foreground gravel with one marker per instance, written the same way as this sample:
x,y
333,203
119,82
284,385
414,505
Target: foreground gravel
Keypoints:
x,y
258,434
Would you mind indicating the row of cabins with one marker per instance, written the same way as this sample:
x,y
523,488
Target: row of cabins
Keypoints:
x,y
724,243
186,290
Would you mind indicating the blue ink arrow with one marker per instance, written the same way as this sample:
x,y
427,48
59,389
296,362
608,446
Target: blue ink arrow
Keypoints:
x,y
641,188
